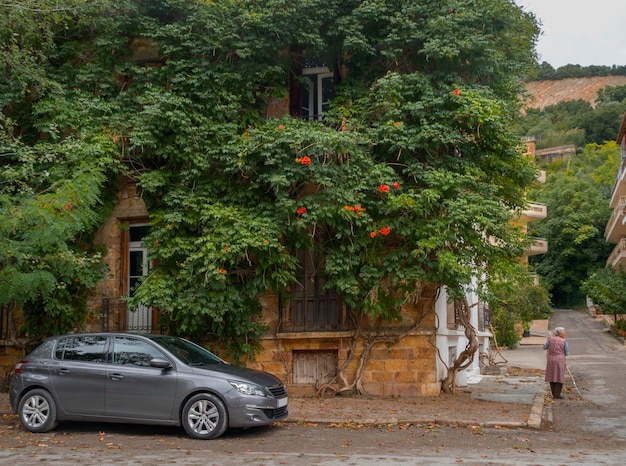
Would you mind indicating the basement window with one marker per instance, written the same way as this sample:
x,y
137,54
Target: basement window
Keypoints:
x,y
314,367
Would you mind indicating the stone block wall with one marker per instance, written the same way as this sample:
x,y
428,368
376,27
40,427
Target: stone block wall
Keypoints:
x,y
406,368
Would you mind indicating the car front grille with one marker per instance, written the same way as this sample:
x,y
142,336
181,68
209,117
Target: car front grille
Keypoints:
x,y
275,413
278,391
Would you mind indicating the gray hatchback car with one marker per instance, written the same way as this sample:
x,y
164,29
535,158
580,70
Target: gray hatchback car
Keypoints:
x,y
143,379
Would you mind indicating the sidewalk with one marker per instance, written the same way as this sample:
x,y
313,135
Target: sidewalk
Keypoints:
x,y
515,399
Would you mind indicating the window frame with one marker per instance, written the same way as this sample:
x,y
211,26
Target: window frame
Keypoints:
x,y
62,346
312,307
155,352
314,87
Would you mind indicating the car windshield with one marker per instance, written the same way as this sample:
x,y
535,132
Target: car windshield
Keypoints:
x,y
189,353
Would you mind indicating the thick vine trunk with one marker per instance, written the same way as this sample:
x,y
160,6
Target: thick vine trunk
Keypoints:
x,y
466,358
371,337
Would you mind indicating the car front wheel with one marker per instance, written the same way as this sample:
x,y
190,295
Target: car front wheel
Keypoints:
x,y
204,417
38,411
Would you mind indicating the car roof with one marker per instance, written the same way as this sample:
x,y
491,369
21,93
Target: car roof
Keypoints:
x,y
110,334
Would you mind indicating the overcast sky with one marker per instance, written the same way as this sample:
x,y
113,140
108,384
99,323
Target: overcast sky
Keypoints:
x,y
580,32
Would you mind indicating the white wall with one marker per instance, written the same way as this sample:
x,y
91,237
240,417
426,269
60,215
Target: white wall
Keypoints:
x,y
450,343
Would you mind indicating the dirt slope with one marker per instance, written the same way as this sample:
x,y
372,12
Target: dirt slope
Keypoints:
x,y
544,93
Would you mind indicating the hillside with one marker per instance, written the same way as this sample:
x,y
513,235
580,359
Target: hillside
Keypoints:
x,y
545,93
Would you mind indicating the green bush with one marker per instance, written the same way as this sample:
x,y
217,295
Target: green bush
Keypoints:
x,y
503,323
620,325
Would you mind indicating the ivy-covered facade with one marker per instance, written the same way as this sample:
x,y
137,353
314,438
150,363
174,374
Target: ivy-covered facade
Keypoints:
x,y
296,184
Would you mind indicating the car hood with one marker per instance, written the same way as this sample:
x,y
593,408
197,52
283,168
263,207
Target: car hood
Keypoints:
x,y
240,373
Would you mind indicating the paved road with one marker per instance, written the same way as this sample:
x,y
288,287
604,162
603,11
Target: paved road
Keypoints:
x,y
598,365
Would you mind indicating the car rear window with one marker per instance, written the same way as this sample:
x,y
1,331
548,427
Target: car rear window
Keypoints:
x,y
81,348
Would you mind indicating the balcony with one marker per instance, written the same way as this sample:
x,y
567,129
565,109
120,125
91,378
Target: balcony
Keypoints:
x,y
534,211
615,227
619,188
617,258
539,246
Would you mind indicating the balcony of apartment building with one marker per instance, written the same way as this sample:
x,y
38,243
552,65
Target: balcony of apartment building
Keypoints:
x,y
534,211
617,259
615,227
539,246
615,231
619,188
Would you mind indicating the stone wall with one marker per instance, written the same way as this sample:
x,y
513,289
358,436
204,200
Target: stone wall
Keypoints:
x,y
406,368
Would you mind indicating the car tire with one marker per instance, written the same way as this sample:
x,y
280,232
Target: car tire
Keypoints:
x,y
37,411
204,417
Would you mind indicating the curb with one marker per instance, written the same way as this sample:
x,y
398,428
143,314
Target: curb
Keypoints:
x,y
536,412
439,422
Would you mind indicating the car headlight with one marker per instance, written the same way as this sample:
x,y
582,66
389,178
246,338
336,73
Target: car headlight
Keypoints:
x,y
248,388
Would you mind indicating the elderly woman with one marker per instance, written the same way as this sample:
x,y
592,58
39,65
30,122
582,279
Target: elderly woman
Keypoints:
x,y
555,368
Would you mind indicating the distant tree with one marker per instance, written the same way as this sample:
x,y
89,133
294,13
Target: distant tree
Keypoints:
x,y
576,121
618,70
569,71
602,123
556,138
611,94
567,114
600,162
577,200
595,70
543,71
514,299
556,125
607,288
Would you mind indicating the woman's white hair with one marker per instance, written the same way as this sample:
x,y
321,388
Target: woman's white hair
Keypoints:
x,y
559,330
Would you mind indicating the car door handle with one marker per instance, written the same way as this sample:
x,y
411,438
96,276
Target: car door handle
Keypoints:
x,y
116,376
63,371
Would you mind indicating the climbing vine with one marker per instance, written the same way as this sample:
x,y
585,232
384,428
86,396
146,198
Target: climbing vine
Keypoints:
x,y
412,176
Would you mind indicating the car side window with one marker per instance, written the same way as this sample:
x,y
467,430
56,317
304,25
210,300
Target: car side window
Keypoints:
x,y
133,351
81,348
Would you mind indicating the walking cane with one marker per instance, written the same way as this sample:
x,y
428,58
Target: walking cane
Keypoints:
x,y
573,381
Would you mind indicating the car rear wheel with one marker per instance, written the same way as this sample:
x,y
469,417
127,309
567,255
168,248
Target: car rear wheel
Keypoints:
x,y
38,411
204,417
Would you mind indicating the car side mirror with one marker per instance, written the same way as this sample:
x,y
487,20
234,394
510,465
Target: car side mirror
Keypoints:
x,y
160,363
